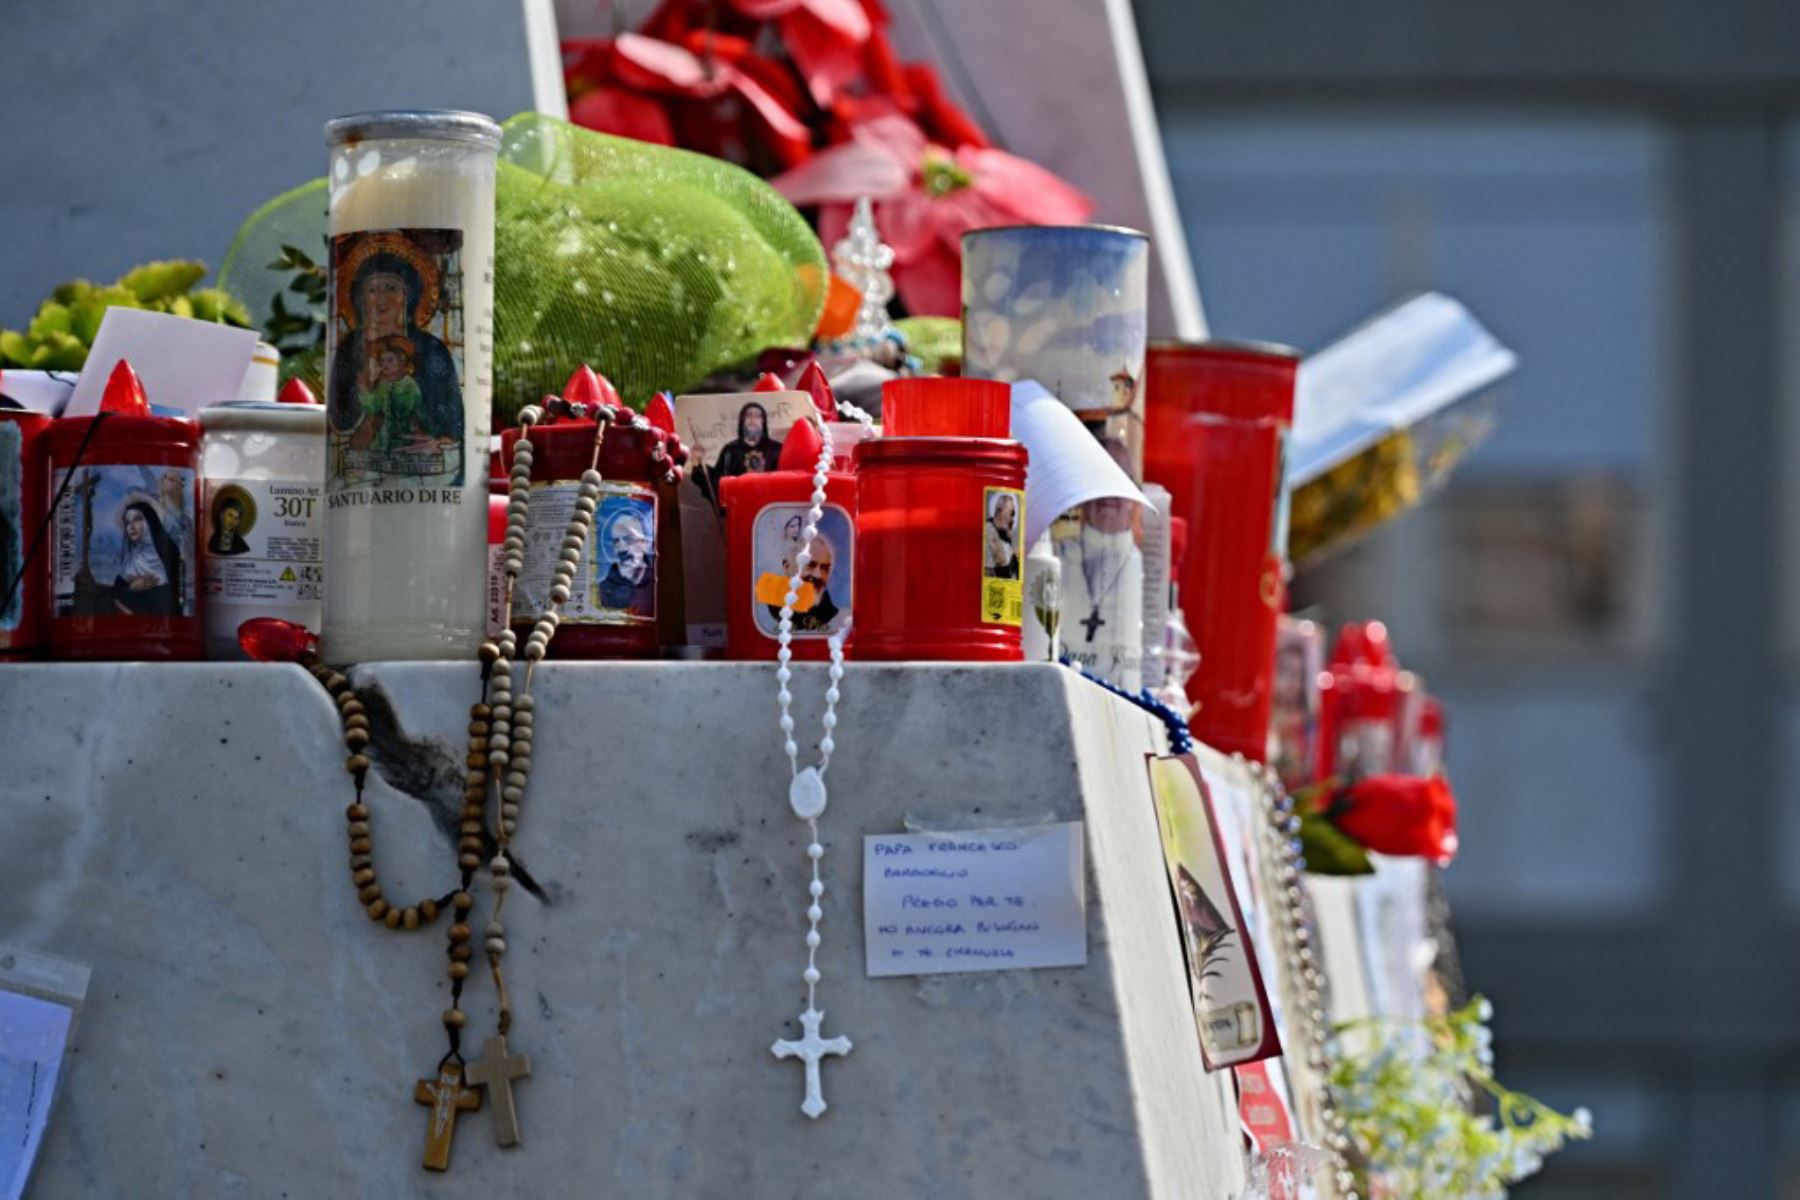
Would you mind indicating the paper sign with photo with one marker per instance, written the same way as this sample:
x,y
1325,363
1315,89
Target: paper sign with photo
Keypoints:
x,y
728,434
1231,1006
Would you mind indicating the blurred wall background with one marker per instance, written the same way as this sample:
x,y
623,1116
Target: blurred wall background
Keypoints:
x,y
1606,595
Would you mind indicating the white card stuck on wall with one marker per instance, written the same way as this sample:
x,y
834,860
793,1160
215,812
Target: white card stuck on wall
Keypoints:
x,y
974,900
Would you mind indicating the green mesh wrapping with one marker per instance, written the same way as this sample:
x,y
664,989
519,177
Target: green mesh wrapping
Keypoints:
x,y
657,266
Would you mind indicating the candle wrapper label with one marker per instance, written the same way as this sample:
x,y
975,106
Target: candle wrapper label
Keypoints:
x,y
12,525
618,563
822,602
264,542
1102,591
496,589
395,385
1002,560
123,542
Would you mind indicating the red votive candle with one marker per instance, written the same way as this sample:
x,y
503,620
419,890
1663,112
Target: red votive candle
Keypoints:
x,y
939,526
121,547
936,407
23,493
1216,436
611,612
765,523
1361,699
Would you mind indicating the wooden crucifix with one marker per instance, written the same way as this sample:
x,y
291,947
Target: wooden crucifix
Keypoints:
x,y
447,1096
495,1070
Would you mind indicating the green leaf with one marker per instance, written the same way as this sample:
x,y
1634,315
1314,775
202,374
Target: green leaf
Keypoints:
x,y
180,306
70,292
15,348
163,280
297,257
58,352
51,318
216,304
1329,851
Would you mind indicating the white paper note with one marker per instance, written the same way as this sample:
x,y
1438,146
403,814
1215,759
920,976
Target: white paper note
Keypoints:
x,y
32,1035
185,364
1068,466
978,900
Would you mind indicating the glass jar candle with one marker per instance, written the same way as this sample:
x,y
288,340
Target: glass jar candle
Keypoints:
x,y
765,525
122,543
612,611
939,526
408,384
1068,306
1219,415
23,494
262,514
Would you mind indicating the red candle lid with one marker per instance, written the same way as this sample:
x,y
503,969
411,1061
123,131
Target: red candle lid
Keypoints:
x,y
295,391
941,451
934,406
124,394
801,450
768,381
660,412
814,383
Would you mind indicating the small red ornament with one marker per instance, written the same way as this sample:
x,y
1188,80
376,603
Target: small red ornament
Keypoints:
x,y
814,383
295,391
270,639
768,381
661,412
1398,814
124,393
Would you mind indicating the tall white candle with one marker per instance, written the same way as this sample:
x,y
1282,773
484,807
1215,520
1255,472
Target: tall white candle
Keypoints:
x,y
408,384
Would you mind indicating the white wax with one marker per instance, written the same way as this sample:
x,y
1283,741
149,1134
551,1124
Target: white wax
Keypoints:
x,y
406,579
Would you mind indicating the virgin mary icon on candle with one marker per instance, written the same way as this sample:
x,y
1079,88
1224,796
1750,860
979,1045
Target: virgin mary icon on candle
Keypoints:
x,y
395,394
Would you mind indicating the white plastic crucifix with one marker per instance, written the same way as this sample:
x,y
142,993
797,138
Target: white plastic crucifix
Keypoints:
x,y
812,1049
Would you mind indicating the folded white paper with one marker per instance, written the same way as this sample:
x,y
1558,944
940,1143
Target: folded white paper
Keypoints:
x,y
1068,466
185,364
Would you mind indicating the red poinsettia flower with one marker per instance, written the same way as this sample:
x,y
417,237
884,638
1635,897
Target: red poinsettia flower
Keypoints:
x,y
1398,814
926,197
706,92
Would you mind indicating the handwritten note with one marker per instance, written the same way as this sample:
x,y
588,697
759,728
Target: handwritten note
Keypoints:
x,y
977,900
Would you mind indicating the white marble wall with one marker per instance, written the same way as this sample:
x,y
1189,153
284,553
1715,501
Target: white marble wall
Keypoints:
x,y
250,1033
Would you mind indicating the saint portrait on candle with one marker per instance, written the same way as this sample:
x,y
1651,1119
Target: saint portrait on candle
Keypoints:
x,y
822,601
395,397
123,543
1000,536
627,526
233,513
149,578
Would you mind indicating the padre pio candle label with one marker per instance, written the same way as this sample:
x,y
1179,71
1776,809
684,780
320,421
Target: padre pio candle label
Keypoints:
x,y
618,564
123,542
1002,563
823,607
408,383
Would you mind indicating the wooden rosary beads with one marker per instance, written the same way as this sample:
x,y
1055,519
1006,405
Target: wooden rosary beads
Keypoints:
x,y
498,762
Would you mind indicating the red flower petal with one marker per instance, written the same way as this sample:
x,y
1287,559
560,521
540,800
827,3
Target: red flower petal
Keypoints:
x,y
1399,814
931,285
623,114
